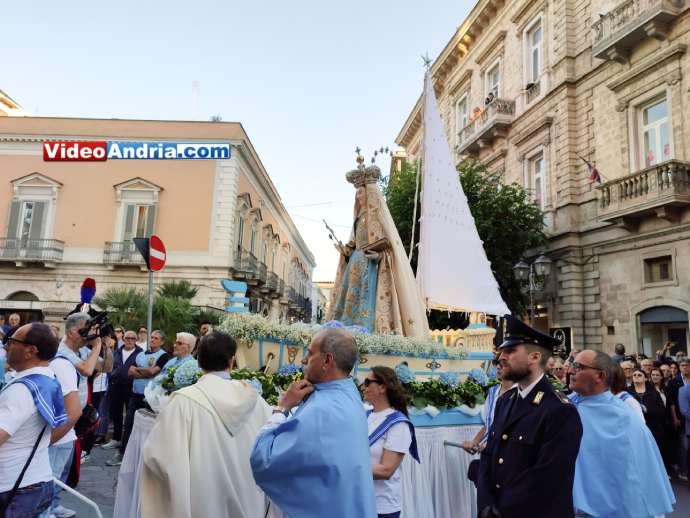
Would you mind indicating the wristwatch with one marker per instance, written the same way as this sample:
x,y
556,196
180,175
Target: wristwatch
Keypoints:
x,y
281,410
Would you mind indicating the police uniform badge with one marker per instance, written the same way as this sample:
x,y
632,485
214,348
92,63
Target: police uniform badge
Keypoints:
x,y
537,399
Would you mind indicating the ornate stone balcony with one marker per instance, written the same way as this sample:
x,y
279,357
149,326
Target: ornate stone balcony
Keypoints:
x,y
619,30
121,253
21,251
491,123
248,268
662,191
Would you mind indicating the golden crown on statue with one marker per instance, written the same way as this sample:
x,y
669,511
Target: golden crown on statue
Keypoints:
x,y
365,174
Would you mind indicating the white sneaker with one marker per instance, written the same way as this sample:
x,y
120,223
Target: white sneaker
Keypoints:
x,y
63,512
111,445
85,458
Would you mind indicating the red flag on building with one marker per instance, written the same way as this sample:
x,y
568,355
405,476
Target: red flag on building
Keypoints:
x,y
594,175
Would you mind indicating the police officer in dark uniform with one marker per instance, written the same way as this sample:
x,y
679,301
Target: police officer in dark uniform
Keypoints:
x,y
528,466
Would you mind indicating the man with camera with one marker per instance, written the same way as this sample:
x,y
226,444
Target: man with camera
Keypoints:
x,y
73,363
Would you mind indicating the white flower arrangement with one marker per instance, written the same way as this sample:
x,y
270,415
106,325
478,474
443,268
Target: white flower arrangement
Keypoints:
x,y
250,327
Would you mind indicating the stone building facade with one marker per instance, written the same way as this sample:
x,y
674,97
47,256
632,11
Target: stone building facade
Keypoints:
x,y
538,88
219,219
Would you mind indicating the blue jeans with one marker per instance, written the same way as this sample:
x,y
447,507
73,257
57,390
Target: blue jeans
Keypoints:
x,y
29,501
390,515
60,462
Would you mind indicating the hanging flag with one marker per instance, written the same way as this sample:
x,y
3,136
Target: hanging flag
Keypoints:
x,y
594,175
453,272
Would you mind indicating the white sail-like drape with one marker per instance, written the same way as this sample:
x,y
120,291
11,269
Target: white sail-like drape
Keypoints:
x,y
453,271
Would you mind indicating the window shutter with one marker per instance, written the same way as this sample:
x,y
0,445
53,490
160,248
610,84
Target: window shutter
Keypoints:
x,y
128,232
150,220
36,230
13,227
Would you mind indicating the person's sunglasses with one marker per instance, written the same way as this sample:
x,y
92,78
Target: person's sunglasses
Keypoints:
x,y
12,339
368,382
577,366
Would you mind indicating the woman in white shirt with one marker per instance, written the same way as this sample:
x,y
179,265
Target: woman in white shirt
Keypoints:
x,y
391,436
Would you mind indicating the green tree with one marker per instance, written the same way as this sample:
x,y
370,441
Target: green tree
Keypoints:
x,y
507,221
173,311
126,307
177,289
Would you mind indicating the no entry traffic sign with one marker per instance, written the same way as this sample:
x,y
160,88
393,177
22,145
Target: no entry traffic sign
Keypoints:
x,y
156,254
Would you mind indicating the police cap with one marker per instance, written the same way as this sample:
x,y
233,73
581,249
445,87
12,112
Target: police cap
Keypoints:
x,y
517,332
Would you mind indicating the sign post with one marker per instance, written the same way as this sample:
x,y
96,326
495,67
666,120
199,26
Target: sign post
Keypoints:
x,y
153,251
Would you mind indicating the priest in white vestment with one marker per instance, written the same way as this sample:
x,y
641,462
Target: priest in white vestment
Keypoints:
x,y
196,458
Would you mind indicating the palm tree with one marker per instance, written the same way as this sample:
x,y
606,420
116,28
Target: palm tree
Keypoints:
x,y
126,307
177,290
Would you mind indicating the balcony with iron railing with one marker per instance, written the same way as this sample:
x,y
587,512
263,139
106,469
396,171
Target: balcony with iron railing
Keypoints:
x,y
661,190
615,33
248,268
491,123
121,253
25,250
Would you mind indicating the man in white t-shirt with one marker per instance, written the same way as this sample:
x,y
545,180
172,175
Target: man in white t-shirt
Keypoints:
x,y
22,421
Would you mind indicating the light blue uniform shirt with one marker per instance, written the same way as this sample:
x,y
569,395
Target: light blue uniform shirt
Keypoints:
x,y
145,359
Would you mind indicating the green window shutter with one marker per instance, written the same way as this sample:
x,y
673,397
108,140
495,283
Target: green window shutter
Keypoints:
x,y
128,233
37,220
13,227
150,220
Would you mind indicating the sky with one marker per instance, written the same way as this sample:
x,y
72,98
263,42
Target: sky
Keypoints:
x,y
309,80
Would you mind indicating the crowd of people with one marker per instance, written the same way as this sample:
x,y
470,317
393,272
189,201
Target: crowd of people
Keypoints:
x,y
655,390
94,382
594,432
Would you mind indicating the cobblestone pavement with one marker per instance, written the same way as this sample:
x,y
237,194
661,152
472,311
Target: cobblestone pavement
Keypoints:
x,y
98,483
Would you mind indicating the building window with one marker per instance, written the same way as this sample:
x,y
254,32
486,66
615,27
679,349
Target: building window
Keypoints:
x,y
493,82
139,221
658,269
240,232
27,218
252,240
534,38
654,133
536,180
461,113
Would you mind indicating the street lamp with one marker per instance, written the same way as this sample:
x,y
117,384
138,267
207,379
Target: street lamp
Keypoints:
x,y
532,277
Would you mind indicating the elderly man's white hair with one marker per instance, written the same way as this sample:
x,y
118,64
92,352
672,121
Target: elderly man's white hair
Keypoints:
x,y
188,338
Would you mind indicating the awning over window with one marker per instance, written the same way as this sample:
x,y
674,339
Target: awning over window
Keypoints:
x,y
663,315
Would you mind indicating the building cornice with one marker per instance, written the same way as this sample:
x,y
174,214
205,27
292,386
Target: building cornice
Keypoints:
x,y
655,60
464,79
491,47
530,131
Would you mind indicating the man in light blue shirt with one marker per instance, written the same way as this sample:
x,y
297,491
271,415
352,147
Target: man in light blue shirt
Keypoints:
x,y
316,463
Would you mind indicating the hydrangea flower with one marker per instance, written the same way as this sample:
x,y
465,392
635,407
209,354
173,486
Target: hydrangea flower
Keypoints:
x,y
404,373
256,385
289,369
334,323
358,330
450,378
479,376
187,374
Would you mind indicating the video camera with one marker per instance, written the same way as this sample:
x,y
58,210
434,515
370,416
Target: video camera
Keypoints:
x,y
100,321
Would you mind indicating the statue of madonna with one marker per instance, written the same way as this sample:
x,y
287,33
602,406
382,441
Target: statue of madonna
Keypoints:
x,y
374,285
